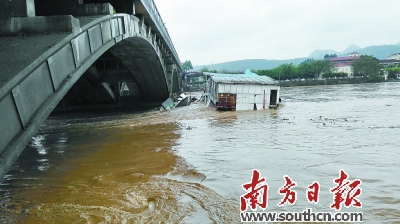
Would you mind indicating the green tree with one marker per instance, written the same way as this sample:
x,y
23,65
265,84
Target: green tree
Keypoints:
x,y
366,65
273,73
306,62
204,69
393,72
320,67
287,71
305,69
187,65
327,56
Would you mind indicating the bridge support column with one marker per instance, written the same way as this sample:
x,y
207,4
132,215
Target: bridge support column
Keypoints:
x,y
40,24
75,8
169,76
17,8
27,17
120,6
95,78
178,85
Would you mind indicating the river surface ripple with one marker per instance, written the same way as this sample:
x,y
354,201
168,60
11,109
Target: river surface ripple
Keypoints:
x,y
188,165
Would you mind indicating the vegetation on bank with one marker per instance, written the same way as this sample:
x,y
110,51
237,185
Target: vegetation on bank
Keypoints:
x,y
366,69
364,66
309,68
327,56
329,81
368,66
187,65
223,71
380,52
393,71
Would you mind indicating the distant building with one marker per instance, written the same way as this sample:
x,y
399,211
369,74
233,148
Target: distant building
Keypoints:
x,y
354,54
242,91
387,62
192,78
395,56
343,64
393,59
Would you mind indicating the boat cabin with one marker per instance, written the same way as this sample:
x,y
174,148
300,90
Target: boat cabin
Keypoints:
x,y
247,91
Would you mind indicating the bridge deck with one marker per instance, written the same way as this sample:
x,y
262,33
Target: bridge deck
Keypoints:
x,y
17,53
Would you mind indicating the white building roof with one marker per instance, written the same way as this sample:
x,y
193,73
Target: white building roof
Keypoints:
x,y
247,78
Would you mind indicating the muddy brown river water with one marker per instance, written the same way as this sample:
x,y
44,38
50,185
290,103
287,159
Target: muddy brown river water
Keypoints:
x,y
188,165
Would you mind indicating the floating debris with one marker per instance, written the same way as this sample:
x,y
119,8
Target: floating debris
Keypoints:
x,y
173,101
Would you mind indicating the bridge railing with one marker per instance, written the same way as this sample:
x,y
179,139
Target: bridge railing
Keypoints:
x,y
156,17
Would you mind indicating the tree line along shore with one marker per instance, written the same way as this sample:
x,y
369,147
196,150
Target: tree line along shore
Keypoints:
x,y
365,69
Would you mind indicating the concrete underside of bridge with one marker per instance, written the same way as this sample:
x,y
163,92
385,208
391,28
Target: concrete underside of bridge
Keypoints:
x,y
95,61
128,75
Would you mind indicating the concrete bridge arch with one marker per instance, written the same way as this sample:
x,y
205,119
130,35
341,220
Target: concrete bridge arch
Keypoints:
x,y
144,63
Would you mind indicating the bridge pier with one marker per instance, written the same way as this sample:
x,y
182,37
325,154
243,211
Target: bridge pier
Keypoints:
x,y
40,16
17,8
30,25
172,76
32,8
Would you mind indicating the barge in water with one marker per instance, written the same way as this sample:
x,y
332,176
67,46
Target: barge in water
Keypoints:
x,y
247,91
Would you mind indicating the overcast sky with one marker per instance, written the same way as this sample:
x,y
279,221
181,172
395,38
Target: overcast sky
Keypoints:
x,y
215,31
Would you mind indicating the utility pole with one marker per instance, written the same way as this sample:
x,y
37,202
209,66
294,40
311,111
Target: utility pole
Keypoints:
x,y
190,91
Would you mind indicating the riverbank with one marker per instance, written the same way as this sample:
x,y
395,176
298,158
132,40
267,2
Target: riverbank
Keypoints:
x,y
327,81
308,82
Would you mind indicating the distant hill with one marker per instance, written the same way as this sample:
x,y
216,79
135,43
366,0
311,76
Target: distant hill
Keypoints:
x,y
352,48
380,52
256,64
319,54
